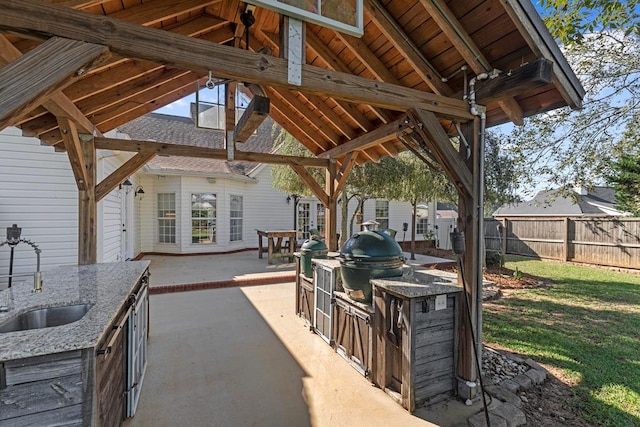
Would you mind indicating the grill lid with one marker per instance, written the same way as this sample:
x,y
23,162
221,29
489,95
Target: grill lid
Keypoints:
x,y
370,245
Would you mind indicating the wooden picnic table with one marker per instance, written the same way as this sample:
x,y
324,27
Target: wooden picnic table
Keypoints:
x,y
277,245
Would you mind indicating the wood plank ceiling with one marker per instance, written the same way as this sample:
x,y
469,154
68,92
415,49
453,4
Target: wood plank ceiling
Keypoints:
x,y
418,44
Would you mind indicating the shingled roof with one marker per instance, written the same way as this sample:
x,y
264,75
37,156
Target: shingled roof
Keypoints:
x,y
183,131
597,201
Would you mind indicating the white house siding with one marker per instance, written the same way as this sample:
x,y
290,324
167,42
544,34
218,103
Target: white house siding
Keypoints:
x,y
263,208
37,192
147,216
266,209
110,218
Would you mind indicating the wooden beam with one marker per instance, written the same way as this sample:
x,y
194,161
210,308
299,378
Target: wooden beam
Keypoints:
x,y
369,59
74,150
87,210
390,28
331,211
159,10
253,116
178,51
313,185
334,62
288,119
96,89
168,149
429,128
519,80
127,169
59,105
377,136
467,48
347,164
32,78
77,4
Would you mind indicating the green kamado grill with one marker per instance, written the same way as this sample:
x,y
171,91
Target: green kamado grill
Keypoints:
x,y
368,255
311,248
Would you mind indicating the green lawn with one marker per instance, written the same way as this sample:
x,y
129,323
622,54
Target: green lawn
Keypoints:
x,y
587,325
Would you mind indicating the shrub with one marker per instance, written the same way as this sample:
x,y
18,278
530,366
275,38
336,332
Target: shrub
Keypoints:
x,y
494,258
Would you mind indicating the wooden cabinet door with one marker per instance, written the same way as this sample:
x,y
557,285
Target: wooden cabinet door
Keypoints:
x,y
110,378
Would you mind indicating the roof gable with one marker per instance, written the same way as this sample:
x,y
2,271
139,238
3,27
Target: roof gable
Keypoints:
x,y
598,201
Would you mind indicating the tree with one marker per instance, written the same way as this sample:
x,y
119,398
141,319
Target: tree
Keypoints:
x,y
563,147
570,20
624,174
283,177
501,174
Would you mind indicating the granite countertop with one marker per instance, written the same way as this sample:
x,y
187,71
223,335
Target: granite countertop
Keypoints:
x,y
326,262
418,283
106,286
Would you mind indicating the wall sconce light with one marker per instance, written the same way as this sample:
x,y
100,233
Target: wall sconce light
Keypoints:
x,y
294,197
139,193
127,185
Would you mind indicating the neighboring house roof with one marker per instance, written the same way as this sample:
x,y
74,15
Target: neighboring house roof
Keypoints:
x,y
598,201
182,130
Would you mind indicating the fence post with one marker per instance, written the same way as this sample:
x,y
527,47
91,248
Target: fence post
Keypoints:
x,y
504,235
565,240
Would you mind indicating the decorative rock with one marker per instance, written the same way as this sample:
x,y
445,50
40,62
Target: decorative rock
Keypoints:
x,y
523,381
479,420
510,385
536,376
515,358
533,364
504,395
512,415
524,398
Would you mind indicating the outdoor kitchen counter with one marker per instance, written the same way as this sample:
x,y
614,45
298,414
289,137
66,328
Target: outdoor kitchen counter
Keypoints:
x,y
418,283
106,286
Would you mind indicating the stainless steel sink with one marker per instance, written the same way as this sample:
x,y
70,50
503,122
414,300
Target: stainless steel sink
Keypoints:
x,y
46,318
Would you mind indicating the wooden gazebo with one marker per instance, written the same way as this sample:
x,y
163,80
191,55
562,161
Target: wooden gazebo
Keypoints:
x,y
424,75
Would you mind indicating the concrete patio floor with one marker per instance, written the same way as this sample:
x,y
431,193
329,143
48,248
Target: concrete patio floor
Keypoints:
x,y
241,267
239,356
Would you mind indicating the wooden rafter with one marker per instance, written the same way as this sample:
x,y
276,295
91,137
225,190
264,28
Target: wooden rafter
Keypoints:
x,y
74,151
389,27
226,62
284,116
58,104
31,79
467,48
320,127
334,119
134,78
334,62
159,10
165,148
131,166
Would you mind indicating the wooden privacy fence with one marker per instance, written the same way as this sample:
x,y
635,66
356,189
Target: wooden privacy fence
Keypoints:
x,y
604,241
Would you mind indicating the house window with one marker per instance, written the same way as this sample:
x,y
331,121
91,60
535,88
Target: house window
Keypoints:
x,y
166,218
203,218
382,214
421,226
320,218
235,214
304,220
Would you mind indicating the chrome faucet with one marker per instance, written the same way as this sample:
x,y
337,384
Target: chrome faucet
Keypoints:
x,y
13,238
